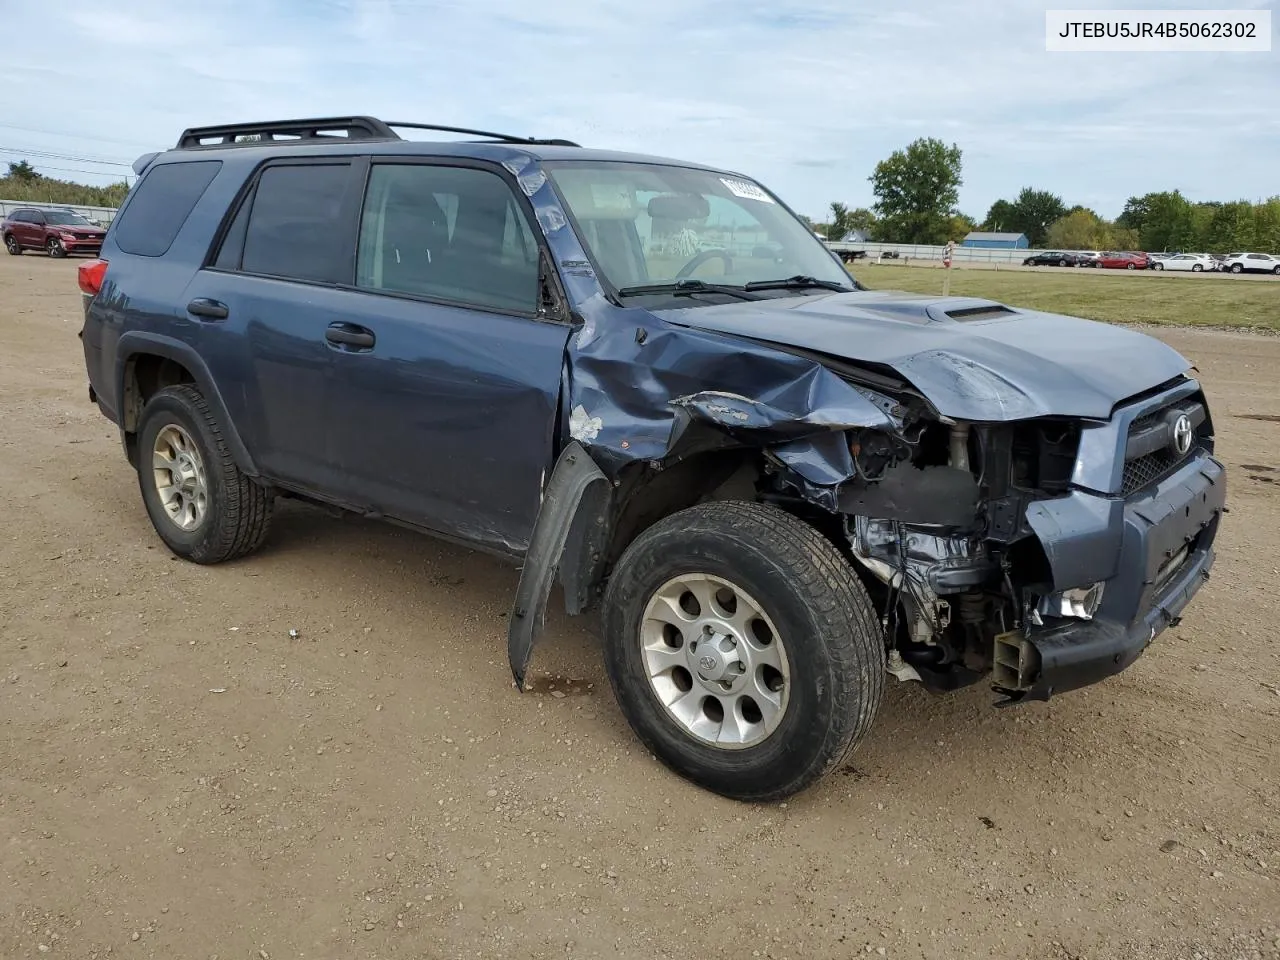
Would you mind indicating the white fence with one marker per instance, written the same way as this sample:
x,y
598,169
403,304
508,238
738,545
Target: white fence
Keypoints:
x,y
920,251
104,215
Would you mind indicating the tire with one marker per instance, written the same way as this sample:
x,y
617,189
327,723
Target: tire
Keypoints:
x,y
13,246
1236,268
1197,268
1131,266
236,511
1062,263
55,248
828,641
1158,266
1276,271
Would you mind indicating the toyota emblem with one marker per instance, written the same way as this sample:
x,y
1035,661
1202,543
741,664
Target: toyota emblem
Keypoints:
x,y
708,663
1182,435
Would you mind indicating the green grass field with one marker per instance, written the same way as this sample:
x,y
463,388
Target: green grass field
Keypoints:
x,y
1224,302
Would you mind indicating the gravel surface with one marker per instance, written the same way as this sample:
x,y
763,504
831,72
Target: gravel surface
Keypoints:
x,y
317,752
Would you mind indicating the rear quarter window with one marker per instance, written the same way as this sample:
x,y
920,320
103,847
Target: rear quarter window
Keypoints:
x,y
160,206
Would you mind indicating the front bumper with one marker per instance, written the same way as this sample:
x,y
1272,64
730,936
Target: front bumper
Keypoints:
x,y
1165,550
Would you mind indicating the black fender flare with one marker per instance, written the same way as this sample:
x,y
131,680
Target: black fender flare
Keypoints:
x,y
569,538
137,342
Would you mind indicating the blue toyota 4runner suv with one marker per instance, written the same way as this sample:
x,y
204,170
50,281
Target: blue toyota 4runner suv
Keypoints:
x,y
648,382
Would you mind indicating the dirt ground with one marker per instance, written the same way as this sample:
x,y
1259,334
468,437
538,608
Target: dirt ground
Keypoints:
x,y
179,777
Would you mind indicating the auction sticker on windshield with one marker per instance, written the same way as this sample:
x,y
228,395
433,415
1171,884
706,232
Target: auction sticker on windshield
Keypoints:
x,y
746,189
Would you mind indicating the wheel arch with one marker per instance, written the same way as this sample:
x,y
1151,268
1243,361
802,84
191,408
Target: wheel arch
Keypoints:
x,y
587,520
147,362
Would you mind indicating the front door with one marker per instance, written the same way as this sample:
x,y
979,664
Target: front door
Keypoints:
x,y
446,382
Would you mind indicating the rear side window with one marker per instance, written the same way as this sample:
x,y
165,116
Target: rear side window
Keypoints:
x,y
160,206
295,224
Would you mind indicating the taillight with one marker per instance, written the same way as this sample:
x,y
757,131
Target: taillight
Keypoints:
x,y
91,275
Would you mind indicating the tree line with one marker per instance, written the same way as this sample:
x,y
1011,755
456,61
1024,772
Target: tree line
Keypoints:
x,y
23,183
916,191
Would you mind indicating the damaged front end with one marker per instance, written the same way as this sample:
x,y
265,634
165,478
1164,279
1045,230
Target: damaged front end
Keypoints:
x,y
1045,553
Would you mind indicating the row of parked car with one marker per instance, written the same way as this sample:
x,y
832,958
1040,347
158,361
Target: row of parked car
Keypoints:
x,y
1129,260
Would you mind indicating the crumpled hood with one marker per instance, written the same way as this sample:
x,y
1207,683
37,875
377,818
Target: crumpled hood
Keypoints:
x,y
972,359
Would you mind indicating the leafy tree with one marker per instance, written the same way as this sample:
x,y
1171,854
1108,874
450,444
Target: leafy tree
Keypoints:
x,y
1033,211
843,220
1135,213
46,190
1168,222
1266,225
999,217
960,226
1030,212
1120,238
1081,229
916,190
23,172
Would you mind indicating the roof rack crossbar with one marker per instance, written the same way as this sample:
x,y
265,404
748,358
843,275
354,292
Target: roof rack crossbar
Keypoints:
x,y
503,137
329,128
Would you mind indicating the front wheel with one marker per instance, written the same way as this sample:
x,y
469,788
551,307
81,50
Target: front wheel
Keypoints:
x,y
1236,268
55,248
1197,268
1131,266
743,649
12,245
200,503
1158,266
1276,271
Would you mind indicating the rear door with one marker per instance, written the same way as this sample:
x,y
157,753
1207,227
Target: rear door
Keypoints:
x,y
446,377
276,283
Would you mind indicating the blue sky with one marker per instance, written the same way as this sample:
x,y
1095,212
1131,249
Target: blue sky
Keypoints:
x,y
805,95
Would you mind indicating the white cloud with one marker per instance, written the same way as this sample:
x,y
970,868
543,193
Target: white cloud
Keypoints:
x,y
806,95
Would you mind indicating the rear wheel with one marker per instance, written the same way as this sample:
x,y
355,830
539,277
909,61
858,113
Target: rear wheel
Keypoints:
x,y
743,649
55,248
201,505
12,245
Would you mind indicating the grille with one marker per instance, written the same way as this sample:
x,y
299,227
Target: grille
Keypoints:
x,y
1144,471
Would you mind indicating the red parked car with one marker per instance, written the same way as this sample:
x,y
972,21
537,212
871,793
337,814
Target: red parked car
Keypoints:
x,y
1124,261
56,232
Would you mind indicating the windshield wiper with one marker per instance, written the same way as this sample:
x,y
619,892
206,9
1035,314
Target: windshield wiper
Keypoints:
x,y
685,288
798,282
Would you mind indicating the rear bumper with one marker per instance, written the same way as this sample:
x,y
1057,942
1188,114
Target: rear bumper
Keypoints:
x,y
1165,554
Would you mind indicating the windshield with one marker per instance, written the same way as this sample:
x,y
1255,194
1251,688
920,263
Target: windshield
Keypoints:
x,y
63,218
649,225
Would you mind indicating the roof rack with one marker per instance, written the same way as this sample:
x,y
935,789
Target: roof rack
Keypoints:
x,y
326,129
330,128
503,137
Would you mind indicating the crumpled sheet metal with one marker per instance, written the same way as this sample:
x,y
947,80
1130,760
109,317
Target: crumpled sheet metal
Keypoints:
x,y
642,387
637,386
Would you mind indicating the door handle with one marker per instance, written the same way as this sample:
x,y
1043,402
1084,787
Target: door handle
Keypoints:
x,y
349,335
207,309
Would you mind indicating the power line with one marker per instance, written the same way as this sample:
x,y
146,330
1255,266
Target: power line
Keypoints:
x,y
63,156
96,173
74,136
